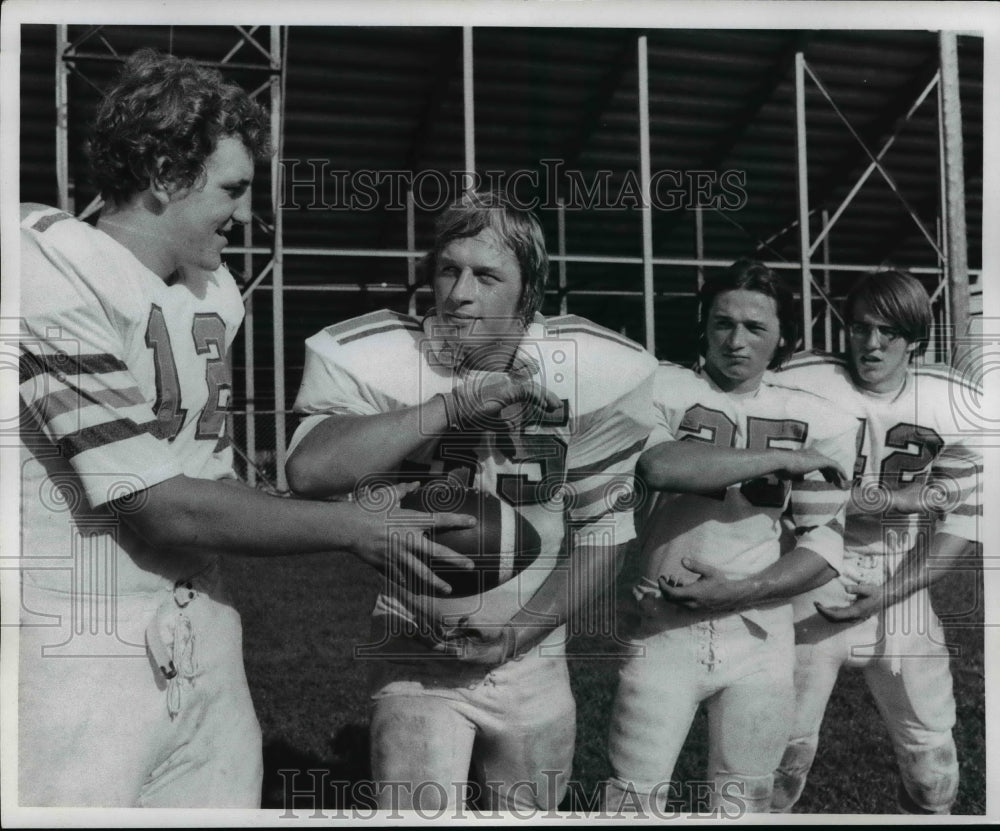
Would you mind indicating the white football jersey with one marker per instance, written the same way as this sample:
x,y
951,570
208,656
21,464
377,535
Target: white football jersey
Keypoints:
x,y
738,529
914,437
124,382
576,465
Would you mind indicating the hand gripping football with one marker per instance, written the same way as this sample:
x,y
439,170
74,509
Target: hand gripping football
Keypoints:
x,y
501,545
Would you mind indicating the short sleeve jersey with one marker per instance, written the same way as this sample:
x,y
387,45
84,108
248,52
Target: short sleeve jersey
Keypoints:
x,y
124,383
738,529
914,437
570,474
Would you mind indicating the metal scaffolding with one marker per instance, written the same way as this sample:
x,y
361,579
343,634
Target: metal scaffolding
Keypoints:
x,y
948,239
953,273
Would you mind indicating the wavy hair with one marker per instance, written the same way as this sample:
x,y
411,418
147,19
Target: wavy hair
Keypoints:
x,y
162,119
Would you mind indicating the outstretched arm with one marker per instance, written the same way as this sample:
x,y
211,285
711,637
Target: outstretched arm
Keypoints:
x,y
217,515
694,466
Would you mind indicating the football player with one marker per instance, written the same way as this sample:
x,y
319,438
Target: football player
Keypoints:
x,y
715,624
548,415
913,515
132,690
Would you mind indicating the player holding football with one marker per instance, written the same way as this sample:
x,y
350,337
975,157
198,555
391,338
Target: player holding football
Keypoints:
x,y
715,624
549,416
132,690
913,515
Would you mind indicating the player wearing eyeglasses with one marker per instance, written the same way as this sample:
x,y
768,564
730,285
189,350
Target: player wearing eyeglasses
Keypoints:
x,y
914,512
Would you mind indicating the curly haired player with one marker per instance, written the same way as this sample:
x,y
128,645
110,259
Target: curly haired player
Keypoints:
x,y
914,514
132,690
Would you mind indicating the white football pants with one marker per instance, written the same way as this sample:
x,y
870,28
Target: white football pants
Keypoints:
x,y
905,664
99,723
741,672
514,724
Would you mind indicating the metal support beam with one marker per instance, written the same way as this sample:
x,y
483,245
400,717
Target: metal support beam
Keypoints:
x,y
872,165
249,381
468,106
278,273
411,263
957,261
561,243
699,242
63,182
827,308
803,171
646,208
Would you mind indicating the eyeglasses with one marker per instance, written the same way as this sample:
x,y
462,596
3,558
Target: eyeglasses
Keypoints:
x,y
886,334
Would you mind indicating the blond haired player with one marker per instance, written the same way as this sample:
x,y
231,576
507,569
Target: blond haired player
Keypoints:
x,y
914,512
387,392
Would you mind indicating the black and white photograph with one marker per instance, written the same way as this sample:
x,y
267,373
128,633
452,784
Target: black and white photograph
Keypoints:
x,y
498,413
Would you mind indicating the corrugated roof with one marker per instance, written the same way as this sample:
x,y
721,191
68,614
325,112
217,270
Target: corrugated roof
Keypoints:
x,y
382,99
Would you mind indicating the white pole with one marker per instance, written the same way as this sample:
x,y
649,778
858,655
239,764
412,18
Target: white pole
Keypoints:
x,y
62,121
954,187
277,298
803,171
699,243
411,264
828,313
647,215
561,218
248,362
468,87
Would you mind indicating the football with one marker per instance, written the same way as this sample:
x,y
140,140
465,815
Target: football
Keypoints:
x,y
501,545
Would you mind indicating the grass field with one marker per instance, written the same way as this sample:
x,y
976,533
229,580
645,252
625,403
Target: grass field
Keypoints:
x,y
303,616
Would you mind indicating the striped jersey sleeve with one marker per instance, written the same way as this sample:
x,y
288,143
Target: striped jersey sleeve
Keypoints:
x,y
818,508
955,484
363,366
77,390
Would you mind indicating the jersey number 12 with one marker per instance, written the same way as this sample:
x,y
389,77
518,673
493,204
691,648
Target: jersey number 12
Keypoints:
x,y
208,331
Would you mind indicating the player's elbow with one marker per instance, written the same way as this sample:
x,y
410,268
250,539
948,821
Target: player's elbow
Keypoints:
x,y
651,469
166,515
307,477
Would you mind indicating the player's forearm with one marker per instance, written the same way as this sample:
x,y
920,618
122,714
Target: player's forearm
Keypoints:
x,y
918,569
798,571
693,467
341,450
200,514
566,596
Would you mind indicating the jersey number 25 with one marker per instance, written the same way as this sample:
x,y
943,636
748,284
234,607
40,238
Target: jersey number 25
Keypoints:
x,y
705,424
